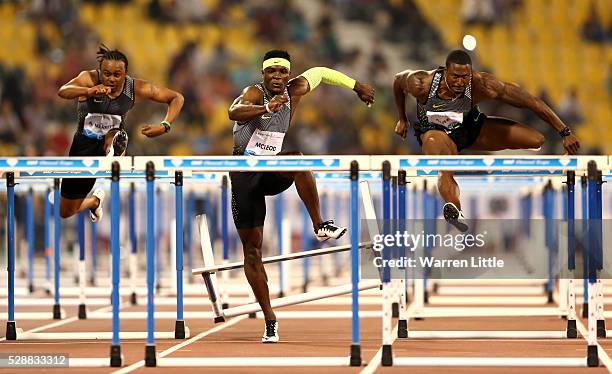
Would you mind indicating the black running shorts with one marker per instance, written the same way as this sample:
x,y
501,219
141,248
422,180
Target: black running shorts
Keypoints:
x,y
248,195
463,136
78,188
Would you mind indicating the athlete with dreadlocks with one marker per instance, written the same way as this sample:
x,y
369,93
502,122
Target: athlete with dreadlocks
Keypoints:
x,y
105,95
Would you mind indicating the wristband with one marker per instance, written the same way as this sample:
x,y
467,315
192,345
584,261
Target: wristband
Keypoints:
x,y
268,108
565,132
167,125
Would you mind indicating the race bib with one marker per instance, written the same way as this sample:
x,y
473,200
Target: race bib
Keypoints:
x,y
446,119
98,124
265,143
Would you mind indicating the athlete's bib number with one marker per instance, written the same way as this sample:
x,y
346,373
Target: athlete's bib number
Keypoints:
x,y
446,119
265,143
98,124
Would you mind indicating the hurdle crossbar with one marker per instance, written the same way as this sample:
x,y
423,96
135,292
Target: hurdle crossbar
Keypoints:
x,y
273,259
299,298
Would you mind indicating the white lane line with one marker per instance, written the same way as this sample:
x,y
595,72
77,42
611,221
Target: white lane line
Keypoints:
x,y
601,353
174,348
61,322
375,361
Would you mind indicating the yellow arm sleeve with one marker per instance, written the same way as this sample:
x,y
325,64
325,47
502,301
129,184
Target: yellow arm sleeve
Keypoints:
x,y
314,76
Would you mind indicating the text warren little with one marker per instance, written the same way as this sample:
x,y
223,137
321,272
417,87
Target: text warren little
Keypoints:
x,y
433,262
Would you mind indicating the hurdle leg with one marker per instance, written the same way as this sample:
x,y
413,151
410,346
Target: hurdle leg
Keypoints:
x,y
82,313
592,354
116,358
56,248
150,354
210,280
179,326
47,242
306,246
30,238
133,259
225,239
11,328
599,297
572,331
93,240
402,324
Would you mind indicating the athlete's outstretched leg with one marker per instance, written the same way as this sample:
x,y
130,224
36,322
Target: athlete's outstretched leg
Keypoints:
x,y
254,270
70,207
437,143
307,190
498,134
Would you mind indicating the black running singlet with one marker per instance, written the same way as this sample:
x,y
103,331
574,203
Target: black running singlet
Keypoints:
x,y
99,115
448,114
263,135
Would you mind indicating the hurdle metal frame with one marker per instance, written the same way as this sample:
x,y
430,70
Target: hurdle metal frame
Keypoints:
x,y
387,358
492,165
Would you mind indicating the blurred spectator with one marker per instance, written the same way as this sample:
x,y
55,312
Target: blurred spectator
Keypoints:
x,y
570,110
379,67
219,52
326,39
480,12
592,29
14,94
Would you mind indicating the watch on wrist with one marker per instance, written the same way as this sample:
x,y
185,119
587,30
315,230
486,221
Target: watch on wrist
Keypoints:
x,y
565,132
166,125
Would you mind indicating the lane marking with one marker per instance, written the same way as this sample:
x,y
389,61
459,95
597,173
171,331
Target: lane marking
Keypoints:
x,y
601,353
174,348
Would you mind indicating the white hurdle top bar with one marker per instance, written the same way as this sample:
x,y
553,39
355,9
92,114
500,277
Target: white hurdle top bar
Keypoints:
x,y
134,167
271,259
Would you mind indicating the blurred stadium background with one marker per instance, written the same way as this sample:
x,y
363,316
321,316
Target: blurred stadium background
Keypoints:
x,y
209,50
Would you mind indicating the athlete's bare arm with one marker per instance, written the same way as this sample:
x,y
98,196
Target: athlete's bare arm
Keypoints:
x,y
148,91
82,86
488,87
250,105
415,83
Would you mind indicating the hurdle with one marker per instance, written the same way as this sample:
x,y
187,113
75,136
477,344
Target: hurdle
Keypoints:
x,y
290,163
591,358
211,269
71,167
99,167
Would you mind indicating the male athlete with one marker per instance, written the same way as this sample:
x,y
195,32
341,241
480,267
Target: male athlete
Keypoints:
x,y
449,119
105,95
262,115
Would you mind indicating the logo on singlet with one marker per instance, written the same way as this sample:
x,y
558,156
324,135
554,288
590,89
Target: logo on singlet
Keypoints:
x,y
263,116
438,106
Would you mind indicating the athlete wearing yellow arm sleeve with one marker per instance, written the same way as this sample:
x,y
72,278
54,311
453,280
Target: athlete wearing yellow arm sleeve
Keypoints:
x,y
262,115
319,74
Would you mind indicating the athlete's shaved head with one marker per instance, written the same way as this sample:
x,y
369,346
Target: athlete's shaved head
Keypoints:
x,y
458,57
105,53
